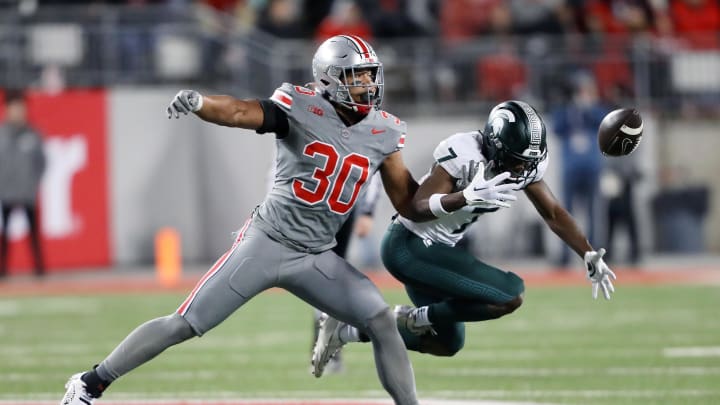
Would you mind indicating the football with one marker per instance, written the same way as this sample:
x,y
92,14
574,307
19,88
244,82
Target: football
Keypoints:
x,y
620,132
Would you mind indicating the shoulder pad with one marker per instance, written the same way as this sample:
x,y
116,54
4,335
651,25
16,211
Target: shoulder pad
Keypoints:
x,y
288,94
397,125
393,120
457,151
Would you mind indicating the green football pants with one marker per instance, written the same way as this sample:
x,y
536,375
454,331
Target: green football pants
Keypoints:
x,y
452,282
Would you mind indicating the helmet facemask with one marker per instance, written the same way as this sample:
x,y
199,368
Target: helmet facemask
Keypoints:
x,y
520,167
349,80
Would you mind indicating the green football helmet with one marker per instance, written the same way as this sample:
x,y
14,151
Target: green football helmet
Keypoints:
x,y
514,140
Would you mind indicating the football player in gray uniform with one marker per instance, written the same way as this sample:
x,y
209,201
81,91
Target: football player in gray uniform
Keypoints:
x,y
448,285
329,142
358,223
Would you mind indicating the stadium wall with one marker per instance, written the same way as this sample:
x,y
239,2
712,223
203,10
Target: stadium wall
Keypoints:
x,y
204,180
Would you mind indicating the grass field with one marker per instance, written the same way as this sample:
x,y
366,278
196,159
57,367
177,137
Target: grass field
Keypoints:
x,y
651,345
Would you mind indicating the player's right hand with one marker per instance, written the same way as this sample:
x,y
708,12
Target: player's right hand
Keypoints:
x,y
599,274
489,192
185,101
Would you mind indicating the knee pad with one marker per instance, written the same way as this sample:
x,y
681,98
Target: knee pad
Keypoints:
x,y
382,323
178,329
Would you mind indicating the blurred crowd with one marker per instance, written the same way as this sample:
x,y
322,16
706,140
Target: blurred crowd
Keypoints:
x,y
609,25
458,20
488,50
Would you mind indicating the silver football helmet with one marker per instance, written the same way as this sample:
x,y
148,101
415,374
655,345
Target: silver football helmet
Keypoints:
x,y
334,65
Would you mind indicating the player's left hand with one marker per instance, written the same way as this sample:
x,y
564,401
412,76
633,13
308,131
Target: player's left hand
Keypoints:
x,y
491,192
185,101
599,273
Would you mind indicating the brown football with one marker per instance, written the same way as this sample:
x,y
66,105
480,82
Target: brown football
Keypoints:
x,y
620,132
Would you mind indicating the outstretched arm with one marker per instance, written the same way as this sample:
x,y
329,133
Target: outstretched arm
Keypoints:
x,y
399,184
222,110
563,224
430,200
439,182
411,199
231,112
435,199
558,219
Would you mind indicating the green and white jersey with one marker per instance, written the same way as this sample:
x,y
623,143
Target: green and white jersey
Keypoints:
x,y
455,154
321,167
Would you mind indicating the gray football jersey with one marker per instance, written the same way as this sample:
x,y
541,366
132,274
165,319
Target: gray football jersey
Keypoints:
x,y
321,167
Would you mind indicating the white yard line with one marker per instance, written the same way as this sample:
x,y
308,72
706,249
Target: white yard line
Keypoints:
x,y
553,372
500,394
692,351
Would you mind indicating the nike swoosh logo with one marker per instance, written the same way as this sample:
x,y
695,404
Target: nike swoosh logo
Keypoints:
x,y
377,131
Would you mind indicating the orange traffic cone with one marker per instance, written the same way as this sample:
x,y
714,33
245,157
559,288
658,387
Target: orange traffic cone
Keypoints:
x,y
168,259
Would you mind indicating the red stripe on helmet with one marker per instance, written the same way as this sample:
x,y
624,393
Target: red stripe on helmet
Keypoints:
x,y
363,45
360,44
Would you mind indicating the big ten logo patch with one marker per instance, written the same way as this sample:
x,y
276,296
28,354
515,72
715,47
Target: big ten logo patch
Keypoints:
x,y
316,110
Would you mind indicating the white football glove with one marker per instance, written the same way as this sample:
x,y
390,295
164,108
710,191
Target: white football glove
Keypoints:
x,y
599,273
489,192
185,101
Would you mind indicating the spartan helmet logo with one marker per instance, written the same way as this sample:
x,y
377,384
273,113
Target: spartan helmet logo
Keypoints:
x,y
498,118
497,124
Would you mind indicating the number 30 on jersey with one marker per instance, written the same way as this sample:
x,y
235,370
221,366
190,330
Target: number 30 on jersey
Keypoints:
x,y
316,191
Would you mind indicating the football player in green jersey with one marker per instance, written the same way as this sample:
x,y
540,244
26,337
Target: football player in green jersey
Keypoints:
x,y
448,285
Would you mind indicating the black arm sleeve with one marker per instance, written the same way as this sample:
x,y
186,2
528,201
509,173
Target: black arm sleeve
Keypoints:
x,y
275,119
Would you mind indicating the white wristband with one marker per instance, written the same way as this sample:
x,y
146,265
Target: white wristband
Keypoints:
x,y
436,205
199,104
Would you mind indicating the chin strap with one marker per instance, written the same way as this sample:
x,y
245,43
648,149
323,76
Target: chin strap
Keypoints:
x,y
362,109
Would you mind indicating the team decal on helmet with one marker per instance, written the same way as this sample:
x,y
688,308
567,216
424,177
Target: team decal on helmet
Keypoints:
x,y
363,47
536,126
500,116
